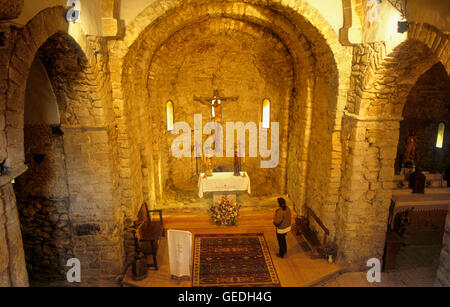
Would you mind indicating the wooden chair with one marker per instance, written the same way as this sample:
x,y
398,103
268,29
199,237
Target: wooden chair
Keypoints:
x,y
309,236
149,233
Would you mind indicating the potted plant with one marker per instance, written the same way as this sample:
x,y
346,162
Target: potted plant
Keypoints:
x,y
330,252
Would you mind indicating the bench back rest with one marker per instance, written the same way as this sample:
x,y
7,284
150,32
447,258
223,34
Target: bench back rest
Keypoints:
x,y
309,214
143,215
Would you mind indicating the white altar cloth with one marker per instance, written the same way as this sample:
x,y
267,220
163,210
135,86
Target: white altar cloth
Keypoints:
x,y
223,182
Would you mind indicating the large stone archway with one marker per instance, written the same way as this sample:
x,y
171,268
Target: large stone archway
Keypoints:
x,y
231,56
89,137
380,84
321,70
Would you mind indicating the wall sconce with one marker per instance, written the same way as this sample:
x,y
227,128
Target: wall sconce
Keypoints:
x,y
403,26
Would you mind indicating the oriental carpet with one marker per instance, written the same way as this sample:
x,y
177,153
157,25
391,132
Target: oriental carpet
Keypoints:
x,y
232,260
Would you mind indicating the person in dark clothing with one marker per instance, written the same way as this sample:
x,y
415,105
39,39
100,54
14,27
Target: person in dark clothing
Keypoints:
x,y
417,182
282,222
447,176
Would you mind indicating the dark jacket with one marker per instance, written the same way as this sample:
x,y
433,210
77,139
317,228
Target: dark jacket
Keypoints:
x,y
282,218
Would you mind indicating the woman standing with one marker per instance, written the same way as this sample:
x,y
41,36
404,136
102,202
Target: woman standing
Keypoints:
x,y
282,222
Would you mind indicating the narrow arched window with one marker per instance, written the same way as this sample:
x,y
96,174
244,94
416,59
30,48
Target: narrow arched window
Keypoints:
x,y
169,110
440,135
266,114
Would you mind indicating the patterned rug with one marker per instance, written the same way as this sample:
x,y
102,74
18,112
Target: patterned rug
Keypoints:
x,y
232,260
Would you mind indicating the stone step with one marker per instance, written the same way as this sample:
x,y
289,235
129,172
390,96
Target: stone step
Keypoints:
x,y
197,222
431,177
248,217
251,205
427,191
433,182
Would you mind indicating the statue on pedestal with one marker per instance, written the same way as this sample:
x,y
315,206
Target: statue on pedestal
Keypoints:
x,y
410,152
208,164
237,164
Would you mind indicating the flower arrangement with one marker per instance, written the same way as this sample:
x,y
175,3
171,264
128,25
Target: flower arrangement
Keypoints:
x,y
225,212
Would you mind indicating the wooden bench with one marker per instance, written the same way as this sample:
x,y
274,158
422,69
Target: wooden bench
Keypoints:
x,y
149,233
393,245
310,236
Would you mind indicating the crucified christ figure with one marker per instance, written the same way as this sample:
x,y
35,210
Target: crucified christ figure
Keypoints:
x,y
216,103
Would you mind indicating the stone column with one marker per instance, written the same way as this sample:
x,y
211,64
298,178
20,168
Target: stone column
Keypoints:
x,y
13,270
97,226
368,170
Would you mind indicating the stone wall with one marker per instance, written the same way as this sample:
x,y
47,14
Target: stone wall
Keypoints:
x,y
7,38
380,85
43,203
363,209
443,273
83,90
145,35
10,9
366,60
12,260
252,64
427,105
115,157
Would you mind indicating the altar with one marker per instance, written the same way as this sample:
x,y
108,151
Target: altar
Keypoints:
x,y
223,182
426,210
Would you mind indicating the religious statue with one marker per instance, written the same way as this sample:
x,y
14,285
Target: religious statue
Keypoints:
x,y
237,164
216,103
208,165
410,153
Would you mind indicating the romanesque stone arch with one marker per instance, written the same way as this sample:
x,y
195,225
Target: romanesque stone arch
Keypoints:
x,y
311,41
375,66
87,123
380,83
36,32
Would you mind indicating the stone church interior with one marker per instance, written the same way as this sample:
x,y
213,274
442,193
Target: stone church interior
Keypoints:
x,y
147,143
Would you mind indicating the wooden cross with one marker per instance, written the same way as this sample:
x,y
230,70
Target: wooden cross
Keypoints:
x,y
216,102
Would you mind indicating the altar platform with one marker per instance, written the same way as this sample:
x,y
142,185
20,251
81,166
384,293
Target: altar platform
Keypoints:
x,y
256,211
297,269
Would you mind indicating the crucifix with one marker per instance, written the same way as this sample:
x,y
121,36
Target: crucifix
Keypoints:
x,y
216,103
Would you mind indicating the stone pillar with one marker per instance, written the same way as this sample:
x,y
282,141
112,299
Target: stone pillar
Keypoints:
x,y
443,273
368,171
13,271
97,231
